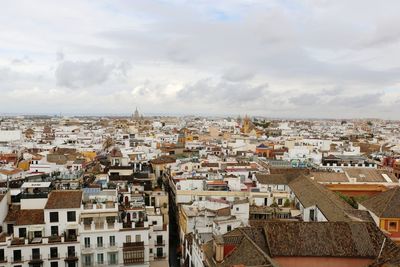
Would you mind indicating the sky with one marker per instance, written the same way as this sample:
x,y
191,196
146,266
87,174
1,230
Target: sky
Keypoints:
x,y
293,59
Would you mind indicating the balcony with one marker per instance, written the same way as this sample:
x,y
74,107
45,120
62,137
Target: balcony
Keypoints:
x,y
160,256
71,256
35,258
159,243
18,259
18,241
71,238
34,195
54,256
54,239
137,260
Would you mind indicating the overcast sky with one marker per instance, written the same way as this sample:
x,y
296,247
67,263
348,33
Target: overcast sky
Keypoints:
x,y
338,59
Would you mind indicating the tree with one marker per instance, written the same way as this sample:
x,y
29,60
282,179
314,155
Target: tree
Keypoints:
x,y
108,143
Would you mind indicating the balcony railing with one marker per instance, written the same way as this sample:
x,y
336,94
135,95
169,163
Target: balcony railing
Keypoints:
x,y
134,260
18,259
71,238
160,255
54,239
71,256
54,256
18,241
159,242
35,257
34,195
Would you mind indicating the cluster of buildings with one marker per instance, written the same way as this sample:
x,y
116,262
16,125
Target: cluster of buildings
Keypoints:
x,y
192,191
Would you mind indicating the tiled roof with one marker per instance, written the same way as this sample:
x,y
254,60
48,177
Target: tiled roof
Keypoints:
x,y
12,213
163,160
385,204
328,177
310,193
323,239
29,217
370,175
279,178
64,199
258,246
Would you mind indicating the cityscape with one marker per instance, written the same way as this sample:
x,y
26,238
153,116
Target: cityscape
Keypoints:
x,y
176,133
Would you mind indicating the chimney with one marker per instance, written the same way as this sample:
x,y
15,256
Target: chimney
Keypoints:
x,y
219,248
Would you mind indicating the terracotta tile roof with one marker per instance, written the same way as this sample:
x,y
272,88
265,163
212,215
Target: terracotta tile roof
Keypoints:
x,y
323,239
12,213
385,204
311,193
163,160
29,217
278,178
327,177
258,246
370,175
64,199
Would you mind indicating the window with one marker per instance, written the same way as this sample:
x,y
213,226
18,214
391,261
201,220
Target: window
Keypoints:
x,y
280,201
71,216
112,258
160,253
312,215
99,241
22,232
17,255
137,238
159,240
100,258
87,259
154,222
71,251
151,251
112,240
229,228
87,242
36,254
53,252
128,239
237,208
1,255
54,264
54,230
392,226
53,216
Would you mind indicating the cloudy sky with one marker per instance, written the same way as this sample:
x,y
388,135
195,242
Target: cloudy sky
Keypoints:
x,y
311,58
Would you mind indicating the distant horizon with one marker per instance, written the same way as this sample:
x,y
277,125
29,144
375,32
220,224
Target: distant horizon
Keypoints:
x,y
217,116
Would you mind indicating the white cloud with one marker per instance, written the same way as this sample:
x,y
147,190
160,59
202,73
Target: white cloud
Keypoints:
x,y
316,57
